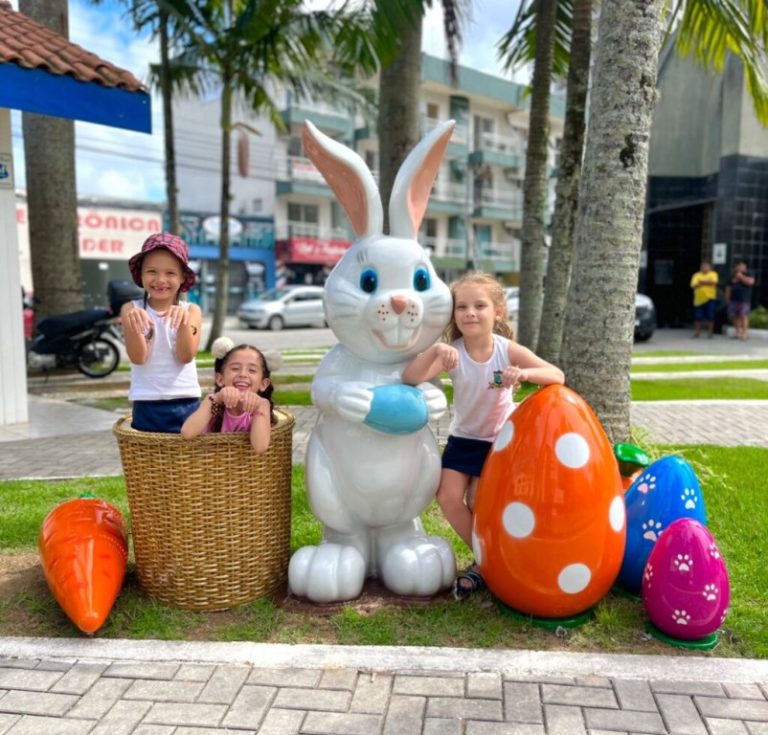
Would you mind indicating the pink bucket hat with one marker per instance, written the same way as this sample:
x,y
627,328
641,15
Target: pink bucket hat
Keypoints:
x,y
172,243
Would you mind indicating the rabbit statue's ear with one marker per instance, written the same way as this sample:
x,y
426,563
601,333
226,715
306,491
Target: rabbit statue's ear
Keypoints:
x,y
410,192
349,177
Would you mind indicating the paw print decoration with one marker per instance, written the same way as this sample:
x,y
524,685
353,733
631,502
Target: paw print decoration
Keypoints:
x,y
667,490
690,593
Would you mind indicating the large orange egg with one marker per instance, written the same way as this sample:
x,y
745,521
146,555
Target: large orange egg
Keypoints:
x,y
549,523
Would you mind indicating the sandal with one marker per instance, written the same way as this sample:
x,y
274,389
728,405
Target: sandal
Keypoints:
x,y
468,582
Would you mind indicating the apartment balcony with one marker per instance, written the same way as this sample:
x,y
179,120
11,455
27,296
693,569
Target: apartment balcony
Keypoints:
x,y
324,116
459,139
448,197
495,204
446,253
298,175
498,150
499,257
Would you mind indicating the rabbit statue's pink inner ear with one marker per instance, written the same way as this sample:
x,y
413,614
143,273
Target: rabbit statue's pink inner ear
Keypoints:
x,y
407,208
344,180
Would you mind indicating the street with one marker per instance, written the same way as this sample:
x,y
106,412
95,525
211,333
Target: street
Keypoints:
x,y
286,339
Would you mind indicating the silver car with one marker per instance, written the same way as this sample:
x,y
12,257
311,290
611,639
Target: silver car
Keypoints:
x,y
287,306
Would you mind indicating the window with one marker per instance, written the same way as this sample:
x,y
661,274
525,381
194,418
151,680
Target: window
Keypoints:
x,y
372,160
294,146
303,212
433,111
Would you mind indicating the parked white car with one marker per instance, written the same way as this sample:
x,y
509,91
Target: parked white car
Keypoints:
x,y
645,312
287,306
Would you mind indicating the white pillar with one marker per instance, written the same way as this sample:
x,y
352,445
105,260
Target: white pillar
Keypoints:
x,y
13,361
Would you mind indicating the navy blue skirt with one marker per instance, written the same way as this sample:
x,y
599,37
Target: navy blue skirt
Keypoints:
x,y
164,417
465,455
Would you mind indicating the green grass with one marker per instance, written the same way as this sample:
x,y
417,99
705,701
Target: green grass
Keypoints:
x,y
692,389
682,367
732,482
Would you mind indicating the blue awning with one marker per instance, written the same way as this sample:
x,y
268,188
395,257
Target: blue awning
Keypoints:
x,y
37,90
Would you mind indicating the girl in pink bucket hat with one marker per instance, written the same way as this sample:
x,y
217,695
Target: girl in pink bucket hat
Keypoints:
x,y
162,335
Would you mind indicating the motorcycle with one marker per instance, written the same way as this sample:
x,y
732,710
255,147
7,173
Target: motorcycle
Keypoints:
x,y
84,339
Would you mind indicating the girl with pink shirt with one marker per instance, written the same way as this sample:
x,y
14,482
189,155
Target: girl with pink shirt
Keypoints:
x,y
242,399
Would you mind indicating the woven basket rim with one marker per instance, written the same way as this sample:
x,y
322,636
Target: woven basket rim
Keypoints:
x,y
123,429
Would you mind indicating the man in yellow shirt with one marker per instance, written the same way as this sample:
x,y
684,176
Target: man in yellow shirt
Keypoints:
x,y
704,285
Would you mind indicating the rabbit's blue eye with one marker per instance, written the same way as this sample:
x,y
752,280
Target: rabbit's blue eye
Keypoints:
x,y
421,279
369,281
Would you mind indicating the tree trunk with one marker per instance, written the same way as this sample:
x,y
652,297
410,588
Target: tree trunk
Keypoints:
x,y
567,200
398,122
49,154
599,326
535,182
222,271
171,189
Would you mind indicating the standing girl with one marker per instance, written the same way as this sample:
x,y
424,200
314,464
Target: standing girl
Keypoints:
x,y
242,400
486,366
162,335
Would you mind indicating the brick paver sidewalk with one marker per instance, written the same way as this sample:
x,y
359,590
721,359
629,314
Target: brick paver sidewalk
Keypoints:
x,y
103,687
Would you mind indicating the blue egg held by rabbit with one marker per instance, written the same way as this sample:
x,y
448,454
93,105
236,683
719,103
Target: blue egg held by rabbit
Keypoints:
x,y
397,409
373,464
665,491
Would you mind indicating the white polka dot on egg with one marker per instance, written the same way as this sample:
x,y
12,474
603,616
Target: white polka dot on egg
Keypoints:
x,y
505,436
572,450
617,513
518,520
477,549
574,578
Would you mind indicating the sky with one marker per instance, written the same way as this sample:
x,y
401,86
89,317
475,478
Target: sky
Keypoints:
x,y
125,165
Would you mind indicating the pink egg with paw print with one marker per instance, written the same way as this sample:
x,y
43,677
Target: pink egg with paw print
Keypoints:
x,y
685,585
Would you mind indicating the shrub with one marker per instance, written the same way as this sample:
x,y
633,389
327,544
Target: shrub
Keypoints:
x,y
758,319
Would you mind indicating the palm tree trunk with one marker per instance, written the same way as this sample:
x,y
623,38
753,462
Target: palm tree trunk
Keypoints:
x,y
599,325
49,154
535,182
171,189
222,271
398,122
567,199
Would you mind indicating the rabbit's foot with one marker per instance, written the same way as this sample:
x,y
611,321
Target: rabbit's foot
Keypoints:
x,y
327,573
420,566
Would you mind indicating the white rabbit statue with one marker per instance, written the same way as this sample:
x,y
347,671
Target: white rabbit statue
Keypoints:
x,y
372,462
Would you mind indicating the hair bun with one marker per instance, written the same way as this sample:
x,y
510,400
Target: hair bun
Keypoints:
x,y
273,359
221,347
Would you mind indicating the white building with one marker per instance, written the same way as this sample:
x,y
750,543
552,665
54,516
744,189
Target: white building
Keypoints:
x,y
475,212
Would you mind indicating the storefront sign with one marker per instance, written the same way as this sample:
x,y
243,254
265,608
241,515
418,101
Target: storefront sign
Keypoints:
x,y
313,250
103,233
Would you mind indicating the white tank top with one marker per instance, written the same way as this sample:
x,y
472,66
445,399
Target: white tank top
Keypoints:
x,y
162,376
480,404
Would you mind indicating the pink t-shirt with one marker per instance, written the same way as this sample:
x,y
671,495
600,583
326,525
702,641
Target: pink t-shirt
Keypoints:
x,y
232,423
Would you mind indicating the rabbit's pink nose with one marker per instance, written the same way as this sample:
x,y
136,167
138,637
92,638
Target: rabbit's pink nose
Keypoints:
x,y
399,303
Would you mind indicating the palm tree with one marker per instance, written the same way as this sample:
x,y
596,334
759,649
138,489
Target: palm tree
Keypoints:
x,y
400,77
49,154
705,30
567,191
599,324
248,49
535,182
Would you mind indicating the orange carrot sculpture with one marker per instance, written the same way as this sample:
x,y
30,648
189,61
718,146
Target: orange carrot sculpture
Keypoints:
x,y
84,549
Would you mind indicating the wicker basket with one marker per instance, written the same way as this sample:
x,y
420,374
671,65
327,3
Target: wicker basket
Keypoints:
x,y
210,518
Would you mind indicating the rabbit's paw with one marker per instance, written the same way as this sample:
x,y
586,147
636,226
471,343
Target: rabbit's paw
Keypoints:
x,y
419,566
327,573
437,403
354,402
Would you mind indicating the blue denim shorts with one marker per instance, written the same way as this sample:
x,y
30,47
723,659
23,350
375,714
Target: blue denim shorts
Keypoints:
x,y
705,312
163,417
465,455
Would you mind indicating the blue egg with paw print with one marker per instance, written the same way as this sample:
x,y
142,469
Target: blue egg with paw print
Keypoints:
x,y
664,492
397,409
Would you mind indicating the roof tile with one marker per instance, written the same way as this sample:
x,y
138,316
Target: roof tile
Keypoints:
x,y
31,45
